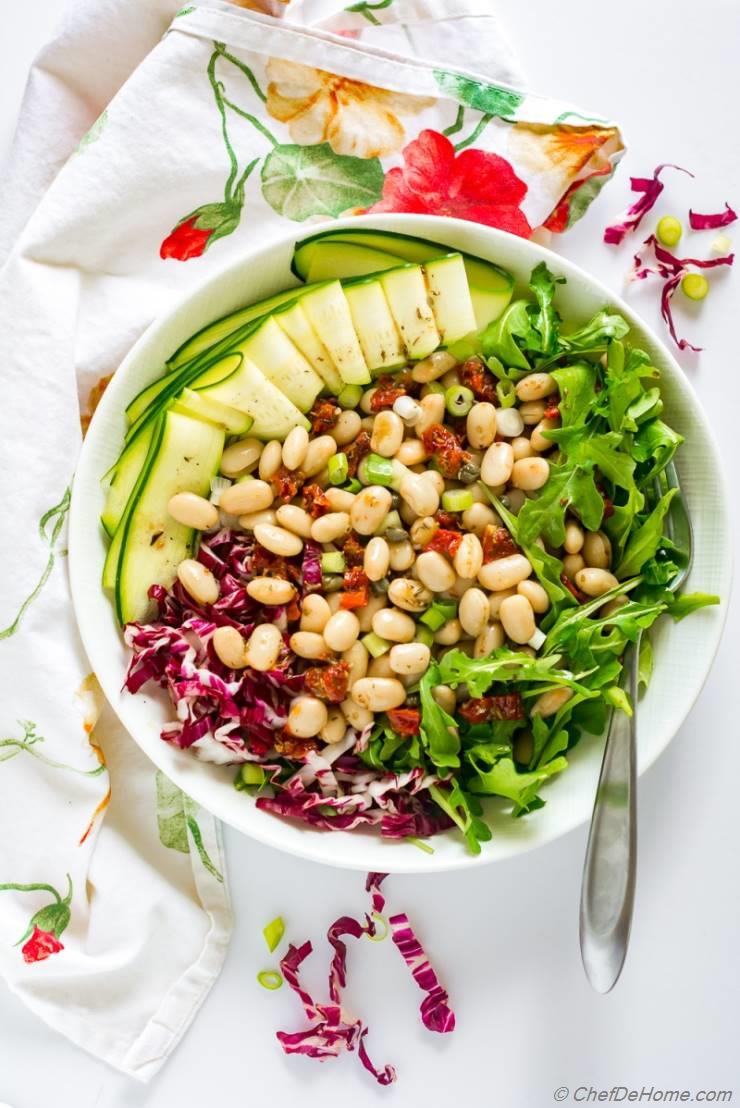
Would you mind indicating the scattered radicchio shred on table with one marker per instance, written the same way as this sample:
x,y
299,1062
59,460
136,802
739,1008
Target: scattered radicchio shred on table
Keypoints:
x,y
651,188
712,221
672,270
331,1033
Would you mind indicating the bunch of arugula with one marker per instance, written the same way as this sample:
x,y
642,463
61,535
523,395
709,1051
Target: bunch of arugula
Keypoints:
x,y
611,447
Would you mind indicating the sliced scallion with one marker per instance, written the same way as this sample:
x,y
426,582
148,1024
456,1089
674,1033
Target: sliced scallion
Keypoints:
x,y
506,393
382,929
459,400
695,286
457,500
338,468
424,634
273,932
374,645
376,470
333,562
269,979
250,776
349,397
669,230
439,613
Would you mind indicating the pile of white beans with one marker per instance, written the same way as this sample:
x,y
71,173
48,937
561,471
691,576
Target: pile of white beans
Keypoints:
x,y
497,601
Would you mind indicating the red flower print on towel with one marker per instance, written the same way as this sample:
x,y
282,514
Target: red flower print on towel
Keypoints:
x,y
475,184
192,236
41,938
41,945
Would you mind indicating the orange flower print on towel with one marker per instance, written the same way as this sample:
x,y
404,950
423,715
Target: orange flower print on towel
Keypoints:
x,y
354,118
566,155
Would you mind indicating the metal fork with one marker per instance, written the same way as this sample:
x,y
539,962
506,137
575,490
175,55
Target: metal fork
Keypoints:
x,y
609,871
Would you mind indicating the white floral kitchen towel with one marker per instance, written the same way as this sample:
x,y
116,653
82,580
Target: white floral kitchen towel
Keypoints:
x,y
154,147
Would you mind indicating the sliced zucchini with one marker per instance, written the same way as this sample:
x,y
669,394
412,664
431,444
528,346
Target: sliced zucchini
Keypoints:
x,y
406,292
449,295
374,324
110,566
152,543
128,468
331,319
216,367
249,390
200,406
282,363
343,259
297,326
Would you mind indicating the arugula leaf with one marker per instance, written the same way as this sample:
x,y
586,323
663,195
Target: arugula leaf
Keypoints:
x,y
681,606
645,662
617,698
464,811
647,406
502,778
569,488
604,327
576,384
499,338
506,666
546,322
653,447
438,728
643,543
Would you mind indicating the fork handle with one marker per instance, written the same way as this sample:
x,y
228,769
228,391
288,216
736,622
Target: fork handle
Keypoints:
x,y
608,885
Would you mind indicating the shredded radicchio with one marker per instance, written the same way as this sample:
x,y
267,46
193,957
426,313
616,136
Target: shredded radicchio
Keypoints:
x,y
672,270
331,1031
650,188
713,221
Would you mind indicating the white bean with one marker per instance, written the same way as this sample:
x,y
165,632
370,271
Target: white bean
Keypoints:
x,y
550,702
411,452
613,606
473,611
393,625
422,531
509,422
366,401
270,590
532,412
450,379
193,511
335,727
270,460
468,557
449,633
410,595
240,457
309,644
514,500
535,386
245,497
370,508
436,479
595,582
420,494
263,648
517,618
522,448
356,717
278,541
597,550
230,647
347,428
387,434
429,369
435,571
504,573
250,521
319,452
358,659
407,409
445,697
477,518
572,565
307,716
498,462
340,500
295,447
378,694
481,425
412,657
377,558
294,519
574,538
341,630
530,473
315,613
488,640
380,667
537,438
198,581
366,614
535,594
330,527
432,411
402,556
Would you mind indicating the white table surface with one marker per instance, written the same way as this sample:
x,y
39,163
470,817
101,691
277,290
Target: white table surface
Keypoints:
x,y
505,938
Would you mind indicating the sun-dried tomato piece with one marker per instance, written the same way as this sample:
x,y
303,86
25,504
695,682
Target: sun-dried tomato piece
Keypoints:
x,y
289,746
444,445
497,543
573,589
353,550
357,589
404,721
356,451
293,611
448,520
552,411
286,483
483,709
315,501
474,375
445,542
328,682
323,416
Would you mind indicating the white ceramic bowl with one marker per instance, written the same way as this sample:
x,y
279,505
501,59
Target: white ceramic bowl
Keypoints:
x,y
683,652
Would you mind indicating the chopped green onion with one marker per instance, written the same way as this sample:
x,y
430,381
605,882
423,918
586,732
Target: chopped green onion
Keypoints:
x,y
432,386
250,776
374,645
457,500
392,520
338,468
269,979
459,400
274,932
669,230
376,470
426,847
695,286
353,485
332,582
506,393
350,396
383,924
424,634
333,562
439,613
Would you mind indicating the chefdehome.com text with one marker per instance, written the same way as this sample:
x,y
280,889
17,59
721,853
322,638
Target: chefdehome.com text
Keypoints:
x,y
622,1094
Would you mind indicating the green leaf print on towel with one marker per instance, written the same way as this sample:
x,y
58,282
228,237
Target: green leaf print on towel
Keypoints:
x,y
176,816
366,9
50,528
490,99
41,937
302,181
28,742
